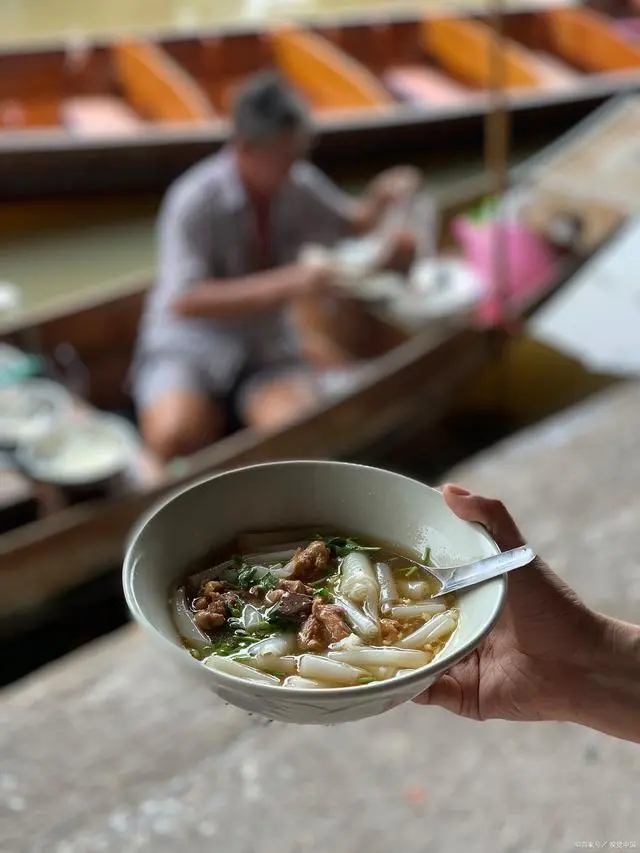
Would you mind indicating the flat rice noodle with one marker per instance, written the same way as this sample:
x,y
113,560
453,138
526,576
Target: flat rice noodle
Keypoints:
x,y
370,656
287,665
299,683
229,666
388,586
362,624
417,589
383,672
281,554
185,621
324,669
411,611
436,628
353,641
358,581
276,646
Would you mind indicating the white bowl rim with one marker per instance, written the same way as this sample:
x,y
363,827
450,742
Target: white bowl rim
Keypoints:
x,y
435,666
116,425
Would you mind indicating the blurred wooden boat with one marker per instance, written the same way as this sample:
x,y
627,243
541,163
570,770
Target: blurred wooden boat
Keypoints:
x,y
132,113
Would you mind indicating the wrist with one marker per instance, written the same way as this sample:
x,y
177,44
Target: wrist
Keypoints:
x,y
606,694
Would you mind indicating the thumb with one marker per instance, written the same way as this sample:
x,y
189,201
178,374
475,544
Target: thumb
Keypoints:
x,y
491,514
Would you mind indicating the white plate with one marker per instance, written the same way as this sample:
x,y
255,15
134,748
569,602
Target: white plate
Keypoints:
x,y
83,451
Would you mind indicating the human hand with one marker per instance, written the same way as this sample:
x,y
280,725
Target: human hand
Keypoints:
x,y
315,274
537,661
396,185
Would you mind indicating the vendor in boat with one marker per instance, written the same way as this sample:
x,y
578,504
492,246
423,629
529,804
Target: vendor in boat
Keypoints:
x,y
217,324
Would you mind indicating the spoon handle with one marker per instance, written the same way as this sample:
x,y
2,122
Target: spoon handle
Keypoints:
x,y
483,570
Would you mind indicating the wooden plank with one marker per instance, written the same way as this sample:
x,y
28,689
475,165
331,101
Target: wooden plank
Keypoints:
x,y
463,48
331,78
156,86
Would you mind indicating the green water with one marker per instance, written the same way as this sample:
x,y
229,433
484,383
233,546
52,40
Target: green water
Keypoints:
x,y
35,19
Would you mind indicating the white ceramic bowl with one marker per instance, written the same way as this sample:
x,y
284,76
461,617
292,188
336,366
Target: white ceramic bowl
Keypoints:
x,y
350,498
92,449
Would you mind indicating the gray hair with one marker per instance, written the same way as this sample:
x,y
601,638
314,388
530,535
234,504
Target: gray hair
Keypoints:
x,y
267,107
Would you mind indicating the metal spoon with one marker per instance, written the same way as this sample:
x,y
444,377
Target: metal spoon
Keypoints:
x,y
459,577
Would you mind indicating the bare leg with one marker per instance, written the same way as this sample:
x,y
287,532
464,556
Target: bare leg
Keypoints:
x,y
276,402
180,422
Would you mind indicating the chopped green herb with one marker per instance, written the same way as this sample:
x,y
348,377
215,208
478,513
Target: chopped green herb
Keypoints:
x,y
245,576
426,556
341,546
226,644
366,679
323,592
410,571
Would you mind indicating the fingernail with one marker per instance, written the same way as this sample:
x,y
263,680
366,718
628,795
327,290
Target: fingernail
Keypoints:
x,y
457,490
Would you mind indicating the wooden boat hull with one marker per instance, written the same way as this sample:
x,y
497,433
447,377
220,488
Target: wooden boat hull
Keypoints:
x,y
179,90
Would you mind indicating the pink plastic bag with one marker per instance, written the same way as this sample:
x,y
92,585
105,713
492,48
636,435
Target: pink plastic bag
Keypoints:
x,y
530,266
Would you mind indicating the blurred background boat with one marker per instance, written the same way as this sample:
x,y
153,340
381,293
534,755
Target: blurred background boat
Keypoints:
x,y
131,112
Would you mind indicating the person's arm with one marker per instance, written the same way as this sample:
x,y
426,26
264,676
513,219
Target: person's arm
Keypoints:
x,y
390,187
246,295
333,214
609,699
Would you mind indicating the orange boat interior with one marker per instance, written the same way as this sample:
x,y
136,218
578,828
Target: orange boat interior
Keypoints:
x,y
131,86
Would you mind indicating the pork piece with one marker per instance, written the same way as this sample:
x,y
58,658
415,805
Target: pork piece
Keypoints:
x,y
295,586
325,625
214,605
311,636
210,620
211,587
273,596
311,563
292,605
390,631
332,618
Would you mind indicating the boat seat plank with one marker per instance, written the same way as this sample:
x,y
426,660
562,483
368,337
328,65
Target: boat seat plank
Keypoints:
x,y
330,78
99,116
423,86
589,41
157,87
463,48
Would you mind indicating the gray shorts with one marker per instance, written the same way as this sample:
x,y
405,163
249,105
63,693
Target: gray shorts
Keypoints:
x,y
154,379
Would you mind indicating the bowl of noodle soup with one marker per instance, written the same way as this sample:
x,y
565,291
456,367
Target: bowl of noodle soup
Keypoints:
x,y
293,590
